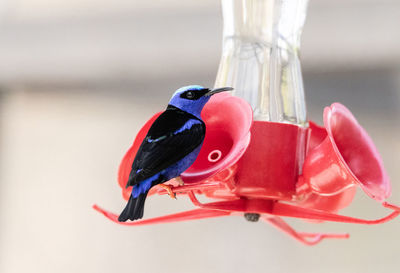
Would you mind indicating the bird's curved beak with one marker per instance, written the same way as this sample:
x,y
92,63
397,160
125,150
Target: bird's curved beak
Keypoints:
x,y
217,90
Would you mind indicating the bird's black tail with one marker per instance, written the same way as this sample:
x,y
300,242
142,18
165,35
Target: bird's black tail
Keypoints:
x,y
134,209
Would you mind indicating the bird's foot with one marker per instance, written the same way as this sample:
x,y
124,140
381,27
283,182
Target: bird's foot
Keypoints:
x,y
168,188
180,181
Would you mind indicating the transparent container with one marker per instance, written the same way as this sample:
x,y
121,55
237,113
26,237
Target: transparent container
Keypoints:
x,y
261,40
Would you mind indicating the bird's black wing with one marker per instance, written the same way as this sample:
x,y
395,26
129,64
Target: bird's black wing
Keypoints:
x,y
172,136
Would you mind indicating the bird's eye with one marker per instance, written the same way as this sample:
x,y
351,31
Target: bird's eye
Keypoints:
x,y
190,95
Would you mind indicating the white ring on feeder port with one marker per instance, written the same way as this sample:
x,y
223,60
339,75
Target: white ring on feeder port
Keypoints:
x,y
212,157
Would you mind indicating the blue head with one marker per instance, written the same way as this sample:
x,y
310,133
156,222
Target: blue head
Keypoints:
x,y
192,98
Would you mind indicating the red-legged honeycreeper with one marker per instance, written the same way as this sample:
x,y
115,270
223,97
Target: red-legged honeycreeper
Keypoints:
x,y
171,145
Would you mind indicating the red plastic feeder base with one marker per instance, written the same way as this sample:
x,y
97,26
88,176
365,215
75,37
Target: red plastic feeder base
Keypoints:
x,y
283,171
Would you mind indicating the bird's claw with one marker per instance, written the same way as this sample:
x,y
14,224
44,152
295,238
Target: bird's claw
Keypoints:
x,y
180,181
168,188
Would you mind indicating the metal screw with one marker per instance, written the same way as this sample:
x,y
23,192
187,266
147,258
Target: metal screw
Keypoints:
x,y
252,217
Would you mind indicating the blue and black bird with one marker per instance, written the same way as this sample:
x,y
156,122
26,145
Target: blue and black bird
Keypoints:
x,y
171,145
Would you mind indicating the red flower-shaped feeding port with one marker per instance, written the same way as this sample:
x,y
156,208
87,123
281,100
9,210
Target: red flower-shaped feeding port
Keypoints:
x,y
255,168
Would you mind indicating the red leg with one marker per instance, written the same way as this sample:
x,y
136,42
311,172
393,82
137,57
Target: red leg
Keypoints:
x,y
238,205
303,237
181,216
282,209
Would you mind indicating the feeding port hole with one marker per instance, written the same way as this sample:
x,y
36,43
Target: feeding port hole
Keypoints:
x,y
214,156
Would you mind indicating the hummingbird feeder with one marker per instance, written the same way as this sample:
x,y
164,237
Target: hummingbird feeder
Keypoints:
x,y
261,157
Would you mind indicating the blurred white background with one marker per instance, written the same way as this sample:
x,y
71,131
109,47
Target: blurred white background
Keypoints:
x,y
79,77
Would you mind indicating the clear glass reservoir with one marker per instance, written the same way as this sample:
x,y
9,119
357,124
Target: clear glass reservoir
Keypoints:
x,y
261,40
